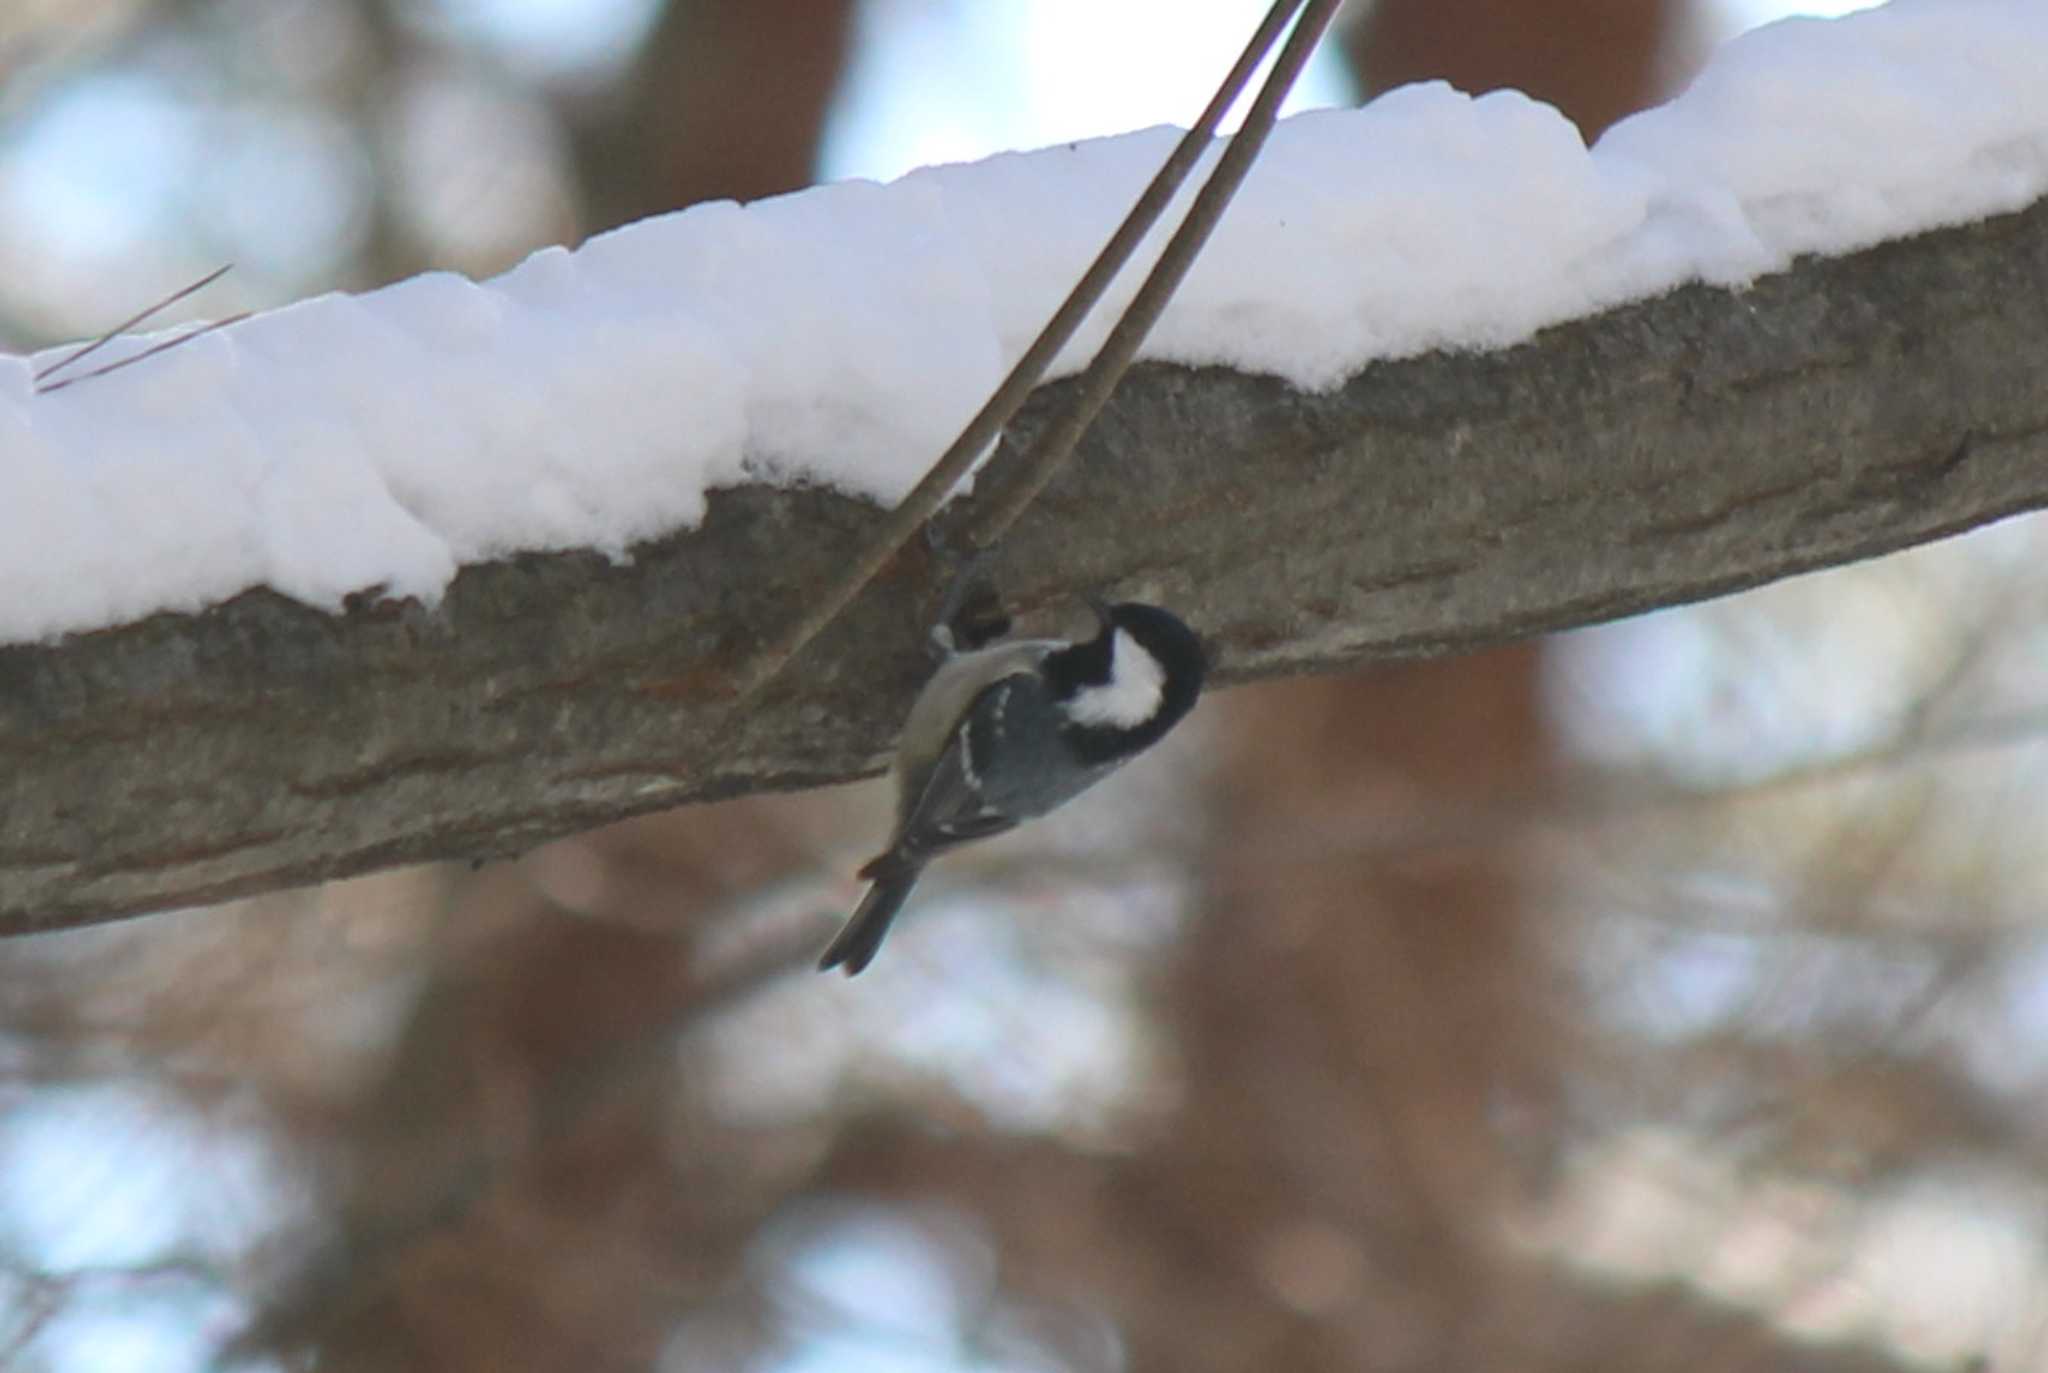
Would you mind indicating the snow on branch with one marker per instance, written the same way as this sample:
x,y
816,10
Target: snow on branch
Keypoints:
x,y
840,336
450,568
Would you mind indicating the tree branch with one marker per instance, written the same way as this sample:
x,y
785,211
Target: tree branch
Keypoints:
x,y
1664,452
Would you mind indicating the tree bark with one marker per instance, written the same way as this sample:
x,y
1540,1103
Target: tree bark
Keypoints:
x,y
1660,453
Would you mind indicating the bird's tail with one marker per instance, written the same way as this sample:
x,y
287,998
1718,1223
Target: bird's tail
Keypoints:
x,y
893,875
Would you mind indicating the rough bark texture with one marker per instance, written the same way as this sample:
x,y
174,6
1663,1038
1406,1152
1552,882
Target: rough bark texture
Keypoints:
x,y
1661,453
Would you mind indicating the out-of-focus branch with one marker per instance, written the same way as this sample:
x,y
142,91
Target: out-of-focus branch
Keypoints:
x,y
1661,453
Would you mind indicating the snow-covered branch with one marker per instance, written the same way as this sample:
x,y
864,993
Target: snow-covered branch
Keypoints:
x,y
451,567
1690,445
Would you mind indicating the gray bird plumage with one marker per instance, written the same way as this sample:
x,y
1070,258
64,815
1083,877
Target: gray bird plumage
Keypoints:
x,y
1005,734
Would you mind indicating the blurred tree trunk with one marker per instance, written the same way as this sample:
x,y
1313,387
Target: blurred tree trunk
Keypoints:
x,y
485,1221
1597,60
728,101
523,1186
1345,1213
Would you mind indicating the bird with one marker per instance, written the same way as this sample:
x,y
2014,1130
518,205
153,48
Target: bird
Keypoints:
x,y
1005,733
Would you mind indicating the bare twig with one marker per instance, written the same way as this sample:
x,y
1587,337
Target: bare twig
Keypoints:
x,y
1022,485
149,352
83,351
902,523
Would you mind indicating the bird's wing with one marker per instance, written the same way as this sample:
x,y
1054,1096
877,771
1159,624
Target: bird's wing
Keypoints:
x,y
951,808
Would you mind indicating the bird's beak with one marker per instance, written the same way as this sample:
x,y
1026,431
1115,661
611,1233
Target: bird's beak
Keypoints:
x,y
1101,609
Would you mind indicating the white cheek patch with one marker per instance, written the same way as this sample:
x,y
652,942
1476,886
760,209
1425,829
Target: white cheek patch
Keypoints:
x,y
1131,695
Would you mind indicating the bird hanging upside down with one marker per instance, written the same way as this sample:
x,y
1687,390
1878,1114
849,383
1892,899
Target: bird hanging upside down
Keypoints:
x,y
1003,734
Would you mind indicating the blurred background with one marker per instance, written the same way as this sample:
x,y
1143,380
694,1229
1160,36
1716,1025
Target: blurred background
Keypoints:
x,y
1668,995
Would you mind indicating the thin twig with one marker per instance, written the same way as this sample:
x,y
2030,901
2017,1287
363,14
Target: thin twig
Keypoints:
x,y
1022,484
87,350
901,524
149,352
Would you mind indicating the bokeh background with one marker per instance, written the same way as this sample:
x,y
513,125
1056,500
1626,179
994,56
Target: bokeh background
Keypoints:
x,y
1671,995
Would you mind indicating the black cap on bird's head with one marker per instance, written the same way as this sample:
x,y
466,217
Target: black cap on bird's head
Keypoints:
x,y
1132,682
